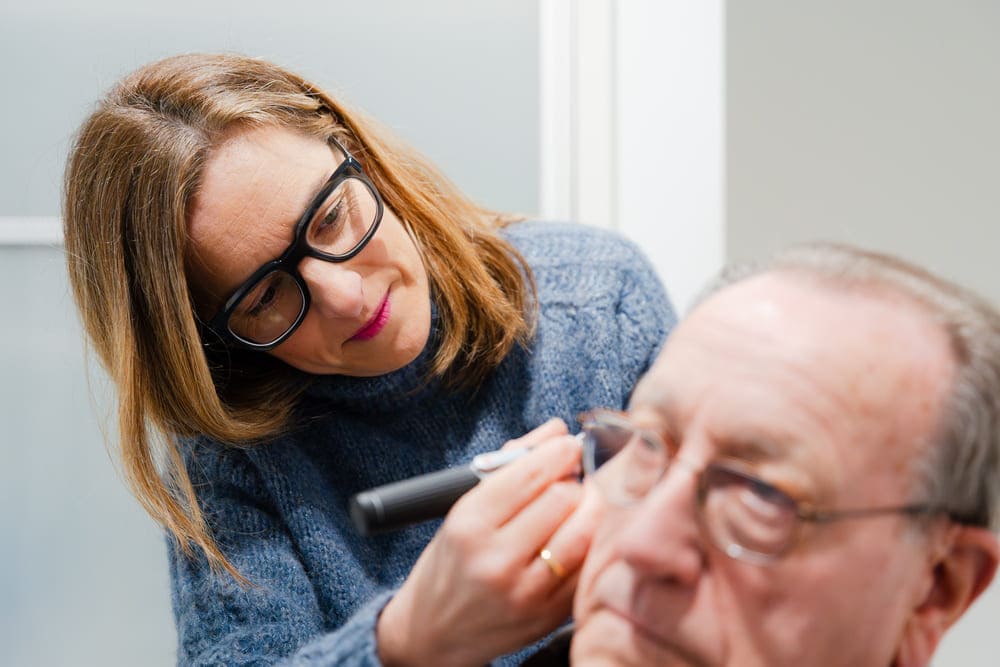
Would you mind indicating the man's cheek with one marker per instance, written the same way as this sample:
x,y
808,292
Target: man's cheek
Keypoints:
x,y
599,558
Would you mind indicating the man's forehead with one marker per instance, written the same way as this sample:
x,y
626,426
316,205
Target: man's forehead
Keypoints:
x,y
808,319
788,355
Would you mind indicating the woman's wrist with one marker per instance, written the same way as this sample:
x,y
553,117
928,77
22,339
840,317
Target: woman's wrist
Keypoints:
x,y
403,642
395,637
388,639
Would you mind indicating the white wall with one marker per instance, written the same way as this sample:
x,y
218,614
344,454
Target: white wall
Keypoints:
x,y
670,134
83,575
633,128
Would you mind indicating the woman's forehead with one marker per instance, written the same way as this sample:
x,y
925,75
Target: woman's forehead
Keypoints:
x,y
254,187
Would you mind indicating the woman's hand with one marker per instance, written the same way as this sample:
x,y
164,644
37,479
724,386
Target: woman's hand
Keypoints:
x,y
480,589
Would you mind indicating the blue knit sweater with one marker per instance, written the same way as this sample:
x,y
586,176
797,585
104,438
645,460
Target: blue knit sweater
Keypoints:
x,y
279,510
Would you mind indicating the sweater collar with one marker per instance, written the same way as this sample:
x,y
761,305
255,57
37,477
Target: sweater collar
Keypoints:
x,y
391,391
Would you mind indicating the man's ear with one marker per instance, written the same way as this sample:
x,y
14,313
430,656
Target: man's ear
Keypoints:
x,y
962,564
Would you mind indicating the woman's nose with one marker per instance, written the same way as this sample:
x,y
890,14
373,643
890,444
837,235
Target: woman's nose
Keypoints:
x,y
335,290
661,535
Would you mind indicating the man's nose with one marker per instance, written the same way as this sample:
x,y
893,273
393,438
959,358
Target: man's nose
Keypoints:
x,y
335,290
661,535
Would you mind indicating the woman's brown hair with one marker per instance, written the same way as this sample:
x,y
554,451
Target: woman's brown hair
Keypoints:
x,y
132,175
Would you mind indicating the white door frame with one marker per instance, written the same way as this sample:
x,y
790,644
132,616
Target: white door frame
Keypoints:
x,y
30,230
632,127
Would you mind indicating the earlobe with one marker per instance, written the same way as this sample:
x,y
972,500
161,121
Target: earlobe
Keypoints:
x,y
962,567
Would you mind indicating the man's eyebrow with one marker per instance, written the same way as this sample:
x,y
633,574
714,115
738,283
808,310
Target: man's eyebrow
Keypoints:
x,y
662,411
661,403
658,413
752,448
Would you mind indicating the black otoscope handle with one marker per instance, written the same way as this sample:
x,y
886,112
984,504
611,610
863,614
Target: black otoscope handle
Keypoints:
x,y
411,500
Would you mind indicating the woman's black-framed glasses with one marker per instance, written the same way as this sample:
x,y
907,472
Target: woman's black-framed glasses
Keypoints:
x,y
341,219
743,515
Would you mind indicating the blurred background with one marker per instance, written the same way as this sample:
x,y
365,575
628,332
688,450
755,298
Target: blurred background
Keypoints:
x,y
706,130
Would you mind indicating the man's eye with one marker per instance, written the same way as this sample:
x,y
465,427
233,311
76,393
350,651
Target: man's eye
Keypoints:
x,y
764,499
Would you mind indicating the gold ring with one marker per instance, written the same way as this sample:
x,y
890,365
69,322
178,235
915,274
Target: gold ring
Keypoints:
x,y
550,560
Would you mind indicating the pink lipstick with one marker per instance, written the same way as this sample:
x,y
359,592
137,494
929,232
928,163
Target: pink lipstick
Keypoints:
x,y
377,322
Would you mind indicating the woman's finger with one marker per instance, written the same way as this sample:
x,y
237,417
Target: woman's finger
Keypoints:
x,y
505,493
535,524
549,429
566,548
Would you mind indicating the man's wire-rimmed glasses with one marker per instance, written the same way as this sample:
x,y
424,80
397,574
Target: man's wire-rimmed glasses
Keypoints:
x,y
743,515
339,221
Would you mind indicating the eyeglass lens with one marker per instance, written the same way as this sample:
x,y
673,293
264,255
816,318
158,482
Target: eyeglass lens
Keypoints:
x,y
623,462
343,219
744,516
276,302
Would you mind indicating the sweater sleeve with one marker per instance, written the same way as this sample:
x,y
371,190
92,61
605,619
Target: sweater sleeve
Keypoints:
x,y
645,316
276,619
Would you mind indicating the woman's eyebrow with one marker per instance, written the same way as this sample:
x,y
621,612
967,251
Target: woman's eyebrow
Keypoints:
x,y
338,159
314,192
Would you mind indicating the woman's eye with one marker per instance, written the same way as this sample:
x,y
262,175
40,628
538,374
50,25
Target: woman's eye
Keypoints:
x,y
330,219
264,302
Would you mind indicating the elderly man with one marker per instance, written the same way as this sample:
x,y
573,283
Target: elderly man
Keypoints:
x,y
807,476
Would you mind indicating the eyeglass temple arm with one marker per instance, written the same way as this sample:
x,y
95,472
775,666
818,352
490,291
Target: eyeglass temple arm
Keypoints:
x,y
818,516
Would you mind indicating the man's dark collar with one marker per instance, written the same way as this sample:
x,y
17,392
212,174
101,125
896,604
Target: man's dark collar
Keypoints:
x,y
555,652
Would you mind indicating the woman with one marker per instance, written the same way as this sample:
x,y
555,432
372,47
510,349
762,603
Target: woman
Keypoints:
x,y
295,309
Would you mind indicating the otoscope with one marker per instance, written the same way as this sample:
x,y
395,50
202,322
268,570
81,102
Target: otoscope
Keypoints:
x,y
424,497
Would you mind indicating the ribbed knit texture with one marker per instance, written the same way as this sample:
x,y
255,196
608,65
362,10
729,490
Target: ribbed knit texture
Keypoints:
x,y
279,510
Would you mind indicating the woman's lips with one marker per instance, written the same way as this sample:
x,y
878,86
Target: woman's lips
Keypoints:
x,y
378,321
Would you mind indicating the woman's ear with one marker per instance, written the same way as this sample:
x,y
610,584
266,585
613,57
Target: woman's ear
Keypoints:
x,y
962,564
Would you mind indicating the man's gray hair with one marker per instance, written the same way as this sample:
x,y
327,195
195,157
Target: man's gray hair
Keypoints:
x,y
961,471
